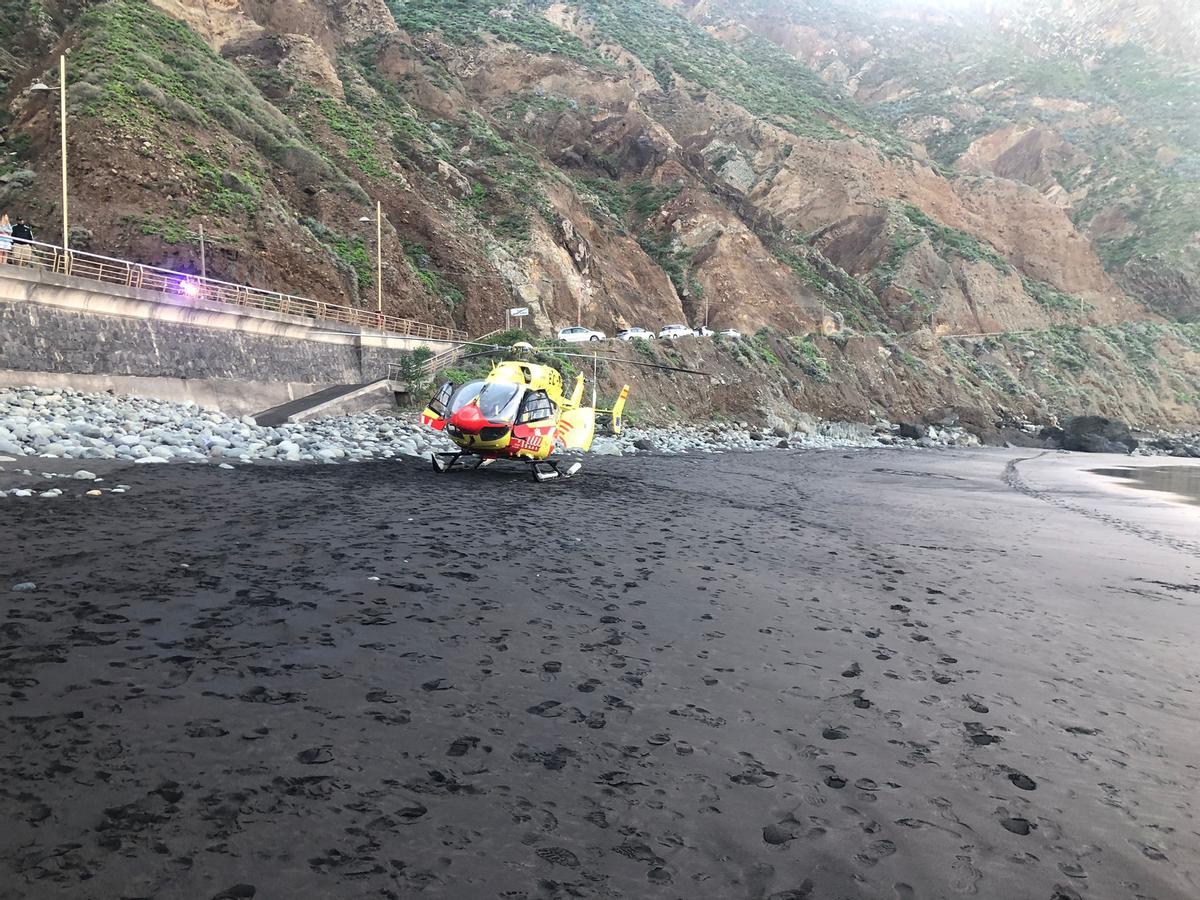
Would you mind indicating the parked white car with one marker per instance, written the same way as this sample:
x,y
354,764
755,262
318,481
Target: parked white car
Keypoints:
x,y
635,333
730,333
577,334
703,331
672,332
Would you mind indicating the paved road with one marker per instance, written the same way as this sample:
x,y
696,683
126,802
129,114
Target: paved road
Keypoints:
x,y
879,674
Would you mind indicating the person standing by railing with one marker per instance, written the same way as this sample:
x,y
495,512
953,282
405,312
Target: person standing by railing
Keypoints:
x,y
22,236
6,234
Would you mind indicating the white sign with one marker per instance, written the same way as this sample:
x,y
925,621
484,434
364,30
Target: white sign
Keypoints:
x,y
519,311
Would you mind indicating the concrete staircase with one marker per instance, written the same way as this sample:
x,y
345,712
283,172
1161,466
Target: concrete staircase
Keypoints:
x,y
339,400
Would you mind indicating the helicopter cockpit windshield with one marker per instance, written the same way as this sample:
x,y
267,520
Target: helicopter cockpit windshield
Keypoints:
x,y
497,402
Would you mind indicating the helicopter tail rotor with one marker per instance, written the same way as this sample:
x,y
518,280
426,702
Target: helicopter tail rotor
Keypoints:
x,y
611,419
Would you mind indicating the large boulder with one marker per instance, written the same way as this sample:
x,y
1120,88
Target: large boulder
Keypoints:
x,y
1096,434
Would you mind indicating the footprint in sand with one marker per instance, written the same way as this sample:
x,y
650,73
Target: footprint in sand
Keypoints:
x,y
1018,825
315,756
1024,782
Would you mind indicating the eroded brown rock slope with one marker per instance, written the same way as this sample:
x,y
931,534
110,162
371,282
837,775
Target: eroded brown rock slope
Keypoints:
x,y
623,163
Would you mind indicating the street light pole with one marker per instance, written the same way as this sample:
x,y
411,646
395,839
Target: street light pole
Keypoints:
x,y
40,87
203,256
379,256
62,110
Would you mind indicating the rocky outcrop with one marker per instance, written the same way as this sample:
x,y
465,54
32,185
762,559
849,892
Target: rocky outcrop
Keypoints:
x,y
1030,154
1096,434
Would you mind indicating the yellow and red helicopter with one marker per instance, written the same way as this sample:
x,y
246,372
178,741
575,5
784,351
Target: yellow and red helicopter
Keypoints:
x,y
519,412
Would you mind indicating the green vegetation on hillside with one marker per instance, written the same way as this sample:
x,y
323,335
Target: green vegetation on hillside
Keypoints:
x,y
754,73
356,130
1051,298
951,242
224,191
466,21
858,306
423,267
141,72
349,250
136,67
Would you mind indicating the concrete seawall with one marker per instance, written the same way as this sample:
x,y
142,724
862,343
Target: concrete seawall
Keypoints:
x,y
61,331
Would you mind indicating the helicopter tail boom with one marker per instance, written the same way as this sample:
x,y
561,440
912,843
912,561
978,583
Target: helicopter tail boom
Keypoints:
x,y
576,397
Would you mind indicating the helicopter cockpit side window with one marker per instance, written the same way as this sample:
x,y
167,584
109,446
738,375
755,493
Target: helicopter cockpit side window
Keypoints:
x,y
537,407
440,403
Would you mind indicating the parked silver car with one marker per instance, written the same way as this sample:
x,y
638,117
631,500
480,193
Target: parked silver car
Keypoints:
x,y
672,332
635,333
577,334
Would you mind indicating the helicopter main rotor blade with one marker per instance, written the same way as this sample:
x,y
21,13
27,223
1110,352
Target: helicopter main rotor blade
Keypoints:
x,y
607,355
640,365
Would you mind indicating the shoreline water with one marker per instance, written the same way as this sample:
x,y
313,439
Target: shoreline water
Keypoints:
x,y
1178,482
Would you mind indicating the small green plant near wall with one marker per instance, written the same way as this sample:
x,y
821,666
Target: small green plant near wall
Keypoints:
x,y
409,367
511,336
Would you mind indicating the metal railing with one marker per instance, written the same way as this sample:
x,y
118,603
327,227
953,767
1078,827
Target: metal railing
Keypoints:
x,y
184,287
431,366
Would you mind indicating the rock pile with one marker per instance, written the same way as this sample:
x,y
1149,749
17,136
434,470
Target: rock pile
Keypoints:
x,y
68,424
71,425
806,434
1163,444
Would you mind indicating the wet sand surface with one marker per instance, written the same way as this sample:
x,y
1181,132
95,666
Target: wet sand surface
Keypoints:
x,y
878,674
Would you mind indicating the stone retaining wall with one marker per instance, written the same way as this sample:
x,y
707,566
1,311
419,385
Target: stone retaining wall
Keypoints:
x,y
72,327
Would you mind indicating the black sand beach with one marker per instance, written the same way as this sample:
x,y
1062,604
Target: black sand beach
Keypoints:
x,y
876,674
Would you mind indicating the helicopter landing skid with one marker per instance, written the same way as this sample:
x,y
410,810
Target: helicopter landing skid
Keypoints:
x,y
444,462
542,469
549,469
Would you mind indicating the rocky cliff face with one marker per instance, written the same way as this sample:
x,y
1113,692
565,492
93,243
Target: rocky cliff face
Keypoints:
x,y
1095,104
761,165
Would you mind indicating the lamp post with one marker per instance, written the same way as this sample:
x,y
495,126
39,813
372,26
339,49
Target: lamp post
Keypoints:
x,y
41,87
203,255
378,253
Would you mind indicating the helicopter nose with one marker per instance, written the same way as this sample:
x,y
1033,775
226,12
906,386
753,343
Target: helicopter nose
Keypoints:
x,y
469,420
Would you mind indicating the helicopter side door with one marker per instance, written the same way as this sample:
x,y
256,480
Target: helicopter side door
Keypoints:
x,y
533,433
435,414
